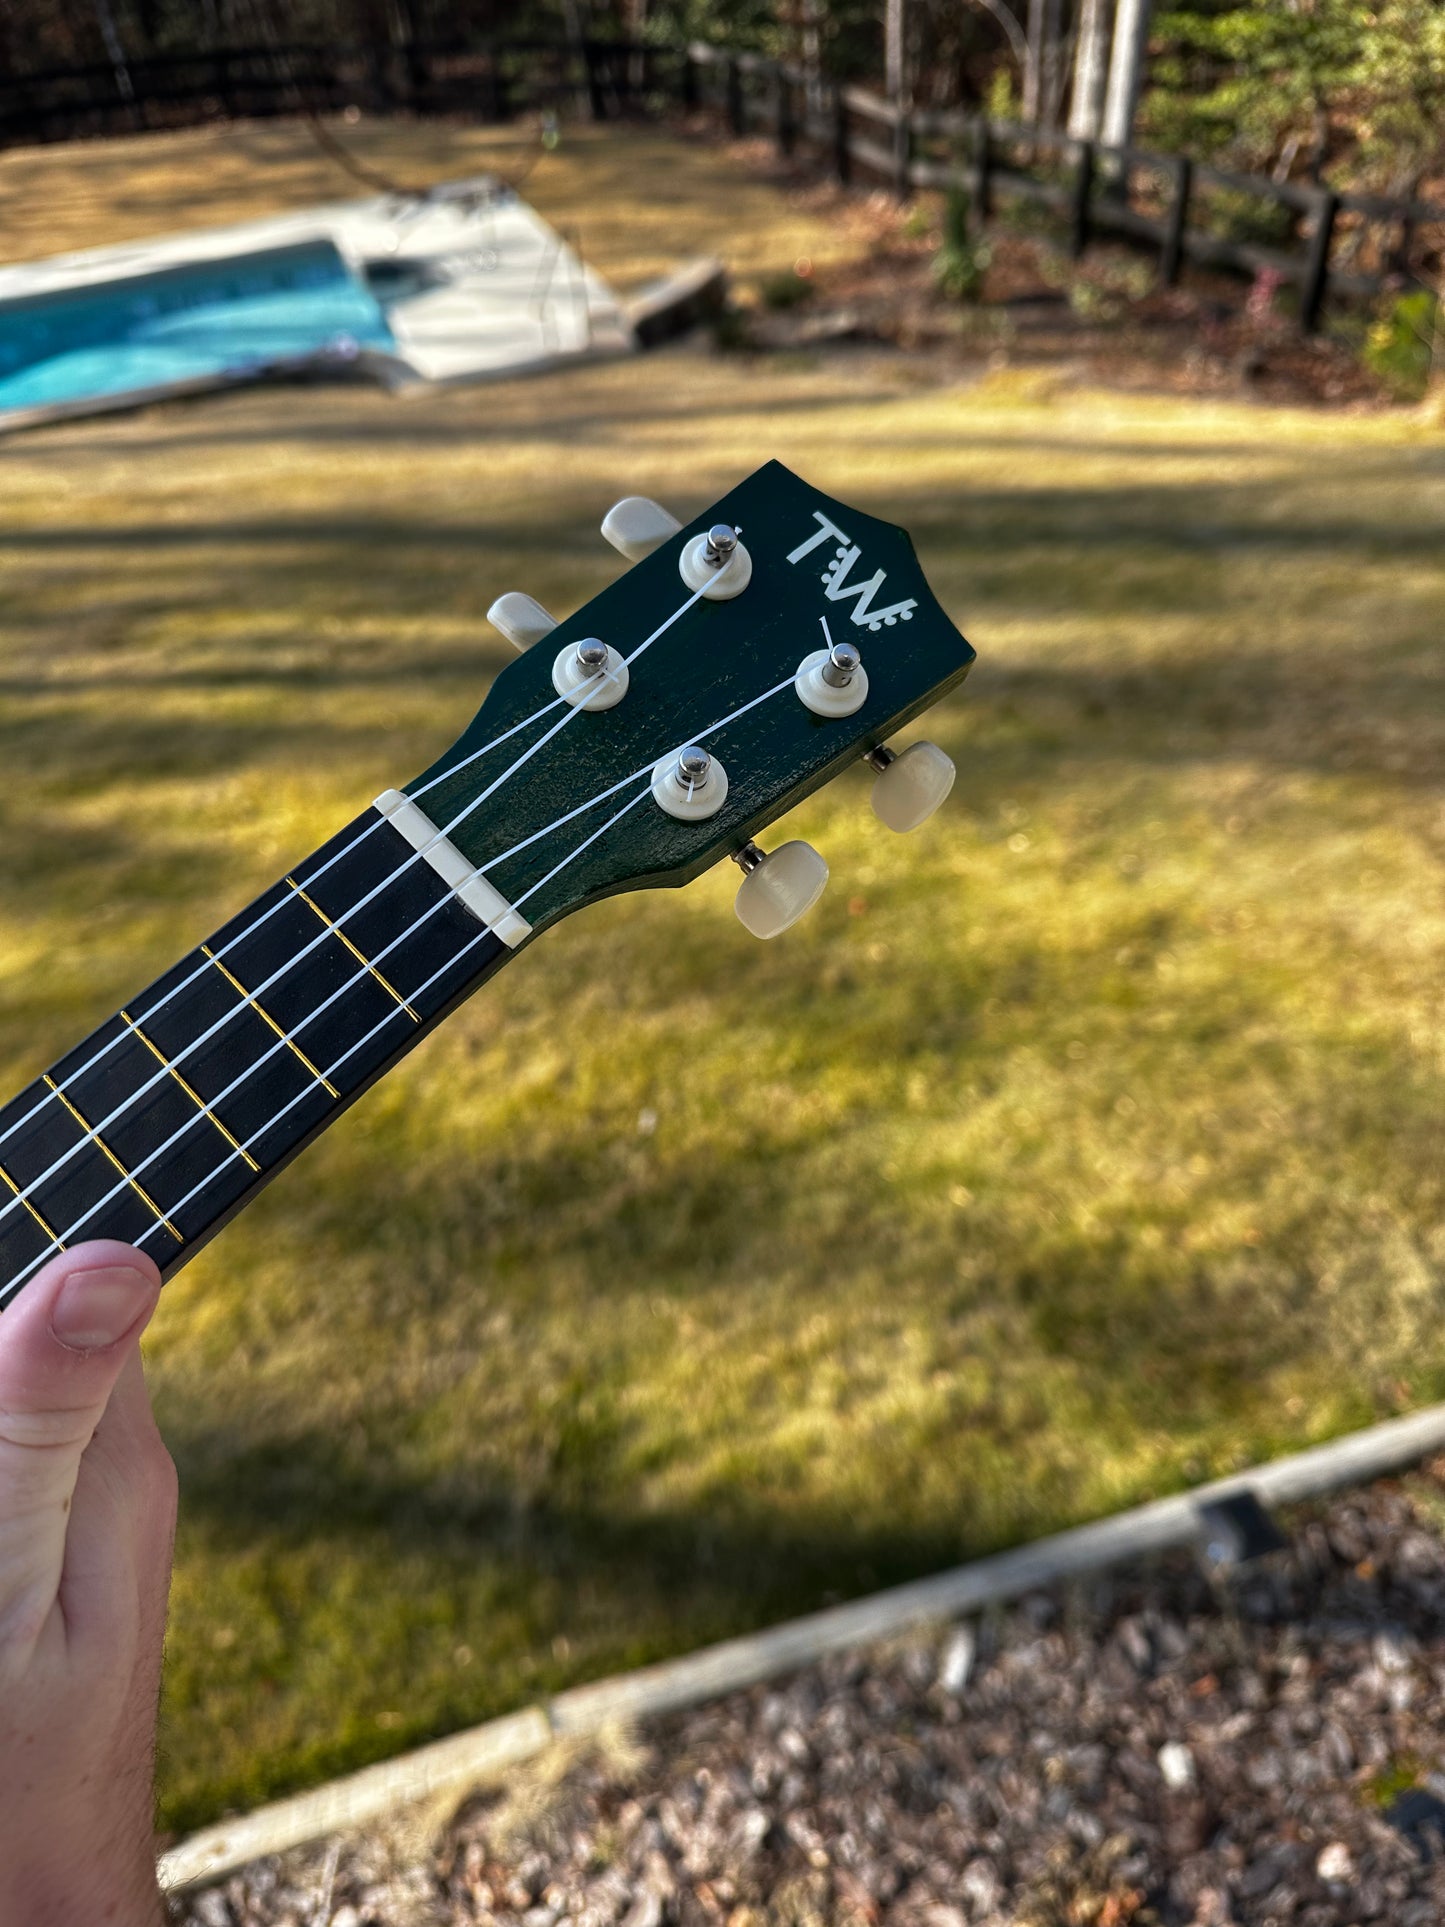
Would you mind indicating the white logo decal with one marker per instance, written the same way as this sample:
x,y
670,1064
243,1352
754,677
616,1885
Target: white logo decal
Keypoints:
x,y
838,588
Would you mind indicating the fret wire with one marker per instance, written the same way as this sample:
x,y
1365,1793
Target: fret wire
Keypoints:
x,y
189,1089
342,937
241,936
95,1138
375,1030
250,997
92,1133
221,1096
20,1195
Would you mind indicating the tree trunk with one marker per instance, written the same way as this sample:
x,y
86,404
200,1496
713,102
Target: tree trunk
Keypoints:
x,y
114,52
1034,65
1090,70
1126,71
893,51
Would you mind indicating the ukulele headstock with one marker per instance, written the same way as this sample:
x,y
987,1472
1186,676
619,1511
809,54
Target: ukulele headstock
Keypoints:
x,y
742,661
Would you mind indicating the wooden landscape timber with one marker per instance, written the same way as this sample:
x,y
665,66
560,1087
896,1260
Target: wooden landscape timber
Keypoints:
x,y
487,1753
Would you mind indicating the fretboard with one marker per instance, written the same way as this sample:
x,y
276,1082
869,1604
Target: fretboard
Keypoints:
x,y
176,1111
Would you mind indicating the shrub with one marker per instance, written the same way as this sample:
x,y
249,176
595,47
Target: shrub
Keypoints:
x,y
784,290
962,261
1405,342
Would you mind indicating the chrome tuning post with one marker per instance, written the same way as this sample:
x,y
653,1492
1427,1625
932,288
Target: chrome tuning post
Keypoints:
x,y
689,784
590,675
716,565
832,681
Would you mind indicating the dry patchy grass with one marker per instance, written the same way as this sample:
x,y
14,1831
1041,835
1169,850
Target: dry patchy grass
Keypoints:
x,y
1079,1146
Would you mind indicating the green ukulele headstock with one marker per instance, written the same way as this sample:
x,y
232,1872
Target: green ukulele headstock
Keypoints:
x,y
566,786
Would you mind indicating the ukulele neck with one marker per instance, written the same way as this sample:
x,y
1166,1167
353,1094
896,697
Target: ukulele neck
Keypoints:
x,y
171,1116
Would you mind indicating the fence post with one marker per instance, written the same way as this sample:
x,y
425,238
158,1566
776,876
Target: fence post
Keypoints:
x,y
982,169
842,159
1083,189
1317,262
737,119
596,103
1171,259
688,78
783,103
902,153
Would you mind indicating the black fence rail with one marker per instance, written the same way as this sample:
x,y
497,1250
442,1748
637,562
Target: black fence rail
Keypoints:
x,y
1321,242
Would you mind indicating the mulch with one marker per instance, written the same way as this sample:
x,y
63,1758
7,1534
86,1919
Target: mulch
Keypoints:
x,y
1171,1745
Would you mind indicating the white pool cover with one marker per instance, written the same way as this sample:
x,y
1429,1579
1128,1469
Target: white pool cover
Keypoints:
x,y
463,283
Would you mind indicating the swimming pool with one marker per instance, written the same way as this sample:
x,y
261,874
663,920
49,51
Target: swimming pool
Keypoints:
x,y
190,323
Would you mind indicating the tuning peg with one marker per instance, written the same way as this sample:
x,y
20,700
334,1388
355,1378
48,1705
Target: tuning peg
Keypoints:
x,y
636,526
521,620
777,888
910,787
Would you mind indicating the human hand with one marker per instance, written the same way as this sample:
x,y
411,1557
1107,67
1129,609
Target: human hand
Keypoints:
x,y
87,1519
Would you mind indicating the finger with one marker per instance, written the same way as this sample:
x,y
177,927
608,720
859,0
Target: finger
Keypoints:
x,y
122,1521
63,1344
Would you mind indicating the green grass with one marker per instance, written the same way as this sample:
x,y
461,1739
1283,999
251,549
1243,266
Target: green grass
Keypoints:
x,y
1082,1145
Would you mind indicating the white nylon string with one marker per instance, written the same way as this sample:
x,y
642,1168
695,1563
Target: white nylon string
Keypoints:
x,y
271,1123
256,1136
265,916
282,1042
586,843
250,997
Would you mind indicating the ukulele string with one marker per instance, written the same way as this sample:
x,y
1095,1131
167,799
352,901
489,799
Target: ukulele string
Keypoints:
x,y
375,1030
251,997
265,916
60,1240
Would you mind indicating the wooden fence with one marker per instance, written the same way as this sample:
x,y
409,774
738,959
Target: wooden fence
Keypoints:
x,y
1318,240
1321,242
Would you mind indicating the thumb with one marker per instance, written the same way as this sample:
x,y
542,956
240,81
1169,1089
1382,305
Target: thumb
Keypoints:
x,y
63,1343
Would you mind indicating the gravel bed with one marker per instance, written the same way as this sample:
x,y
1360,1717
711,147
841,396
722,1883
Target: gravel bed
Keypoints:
x,y
1159,1746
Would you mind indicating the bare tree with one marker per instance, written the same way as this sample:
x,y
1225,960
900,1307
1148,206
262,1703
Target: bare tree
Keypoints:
x,y
893,50
1126,71
1041,69
1090,69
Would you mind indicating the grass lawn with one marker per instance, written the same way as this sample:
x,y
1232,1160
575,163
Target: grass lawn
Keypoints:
x,y
1080,1146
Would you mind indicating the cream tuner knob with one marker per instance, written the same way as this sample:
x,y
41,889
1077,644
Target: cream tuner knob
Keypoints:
x,y
636,526
778,888
910,787
521,620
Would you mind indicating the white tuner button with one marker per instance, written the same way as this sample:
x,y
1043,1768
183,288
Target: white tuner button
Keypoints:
x,y
590,675
689,784
832,681
636,526
521,620
777,888
910,787
716,563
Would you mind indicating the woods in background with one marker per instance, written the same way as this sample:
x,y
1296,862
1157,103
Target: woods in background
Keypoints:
x,y
1338,90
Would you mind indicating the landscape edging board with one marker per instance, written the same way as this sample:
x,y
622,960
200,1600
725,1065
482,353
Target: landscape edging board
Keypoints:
x,y
482,1752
